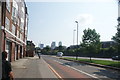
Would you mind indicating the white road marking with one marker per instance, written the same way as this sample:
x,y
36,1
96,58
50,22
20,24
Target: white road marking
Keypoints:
x,y
78,70
58,61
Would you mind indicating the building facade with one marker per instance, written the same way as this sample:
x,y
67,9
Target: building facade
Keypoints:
x,y
30,49
107,44
41,46
14,23
0,26
53,45
0,40
60,43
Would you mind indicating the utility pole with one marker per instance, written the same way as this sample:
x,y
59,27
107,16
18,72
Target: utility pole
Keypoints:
x,y
77,41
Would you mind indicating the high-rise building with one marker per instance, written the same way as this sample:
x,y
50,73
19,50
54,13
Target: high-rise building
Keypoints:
x,y
60,43
13,28
41,46
53,45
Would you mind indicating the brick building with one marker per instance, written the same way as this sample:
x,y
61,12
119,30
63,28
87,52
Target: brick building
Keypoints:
x,y
13,28
30,49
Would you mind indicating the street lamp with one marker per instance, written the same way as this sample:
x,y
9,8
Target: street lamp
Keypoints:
x,y
77,40
73,36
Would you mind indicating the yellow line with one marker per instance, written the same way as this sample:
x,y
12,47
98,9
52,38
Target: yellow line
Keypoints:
x,y
55,72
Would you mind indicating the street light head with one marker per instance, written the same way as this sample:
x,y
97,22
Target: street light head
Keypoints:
x,y
74,30
76,21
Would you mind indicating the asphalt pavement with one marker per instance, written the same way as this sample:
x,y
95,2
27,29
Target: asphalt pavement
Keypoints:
x,y
92,71
32,67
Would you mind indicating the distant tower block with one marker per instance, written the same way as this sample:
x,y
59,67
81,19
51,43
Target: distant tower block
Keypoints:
x,y
60,43
53,45
41,46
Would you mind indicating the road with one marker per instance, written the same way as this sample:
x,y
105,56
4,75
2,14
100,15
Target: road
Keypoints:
x,y
68,69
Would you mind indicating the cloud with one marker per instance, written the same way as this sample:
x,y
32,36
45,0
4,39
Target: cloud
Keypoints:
x,y
84,19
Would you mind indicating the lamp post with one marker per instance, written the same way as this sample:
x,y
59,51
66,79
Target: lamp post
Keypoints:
x,y
73,36
77,40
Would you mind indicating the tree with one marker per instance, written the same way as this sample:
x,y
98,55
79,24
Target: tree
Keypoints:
x,y
116,38
46,50
91,41
90,37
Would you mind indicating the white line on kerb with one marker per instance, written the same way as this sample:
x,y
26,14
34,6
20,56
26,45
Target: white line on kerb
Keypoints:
x,y
78,70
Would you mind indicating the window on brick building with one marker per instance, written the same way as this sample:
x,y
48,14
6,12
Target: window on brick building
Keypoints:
x,y
8,5
21,36
14,11
7,23
13,29
22,15
22,25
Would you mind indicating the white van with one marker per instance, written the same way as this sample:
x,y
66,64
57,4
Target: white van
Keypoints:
x,y
59,54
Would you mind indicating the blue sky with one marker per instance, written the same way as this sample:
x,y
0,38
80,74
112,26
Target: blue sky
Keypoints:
x,y
55,21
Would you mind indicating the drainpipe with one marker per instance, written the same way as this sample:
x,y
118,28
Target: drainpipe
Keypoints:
x,y
0,40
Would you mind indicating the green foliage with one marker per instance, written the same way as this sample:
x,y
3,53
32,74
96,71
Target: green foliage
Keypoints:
x,y
46,50
90,37
107,52
116,38
91,40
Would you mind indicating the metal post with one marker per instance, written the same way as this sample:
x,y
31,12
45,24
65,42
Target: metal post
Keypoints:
x,y
73,36
77,41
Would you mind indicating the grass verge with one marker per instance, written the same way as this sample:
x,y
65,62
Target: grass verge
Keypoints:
x,y
102,62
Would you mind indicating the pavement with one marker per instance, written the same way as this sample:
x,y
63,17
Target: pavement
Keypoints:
x,y
32,67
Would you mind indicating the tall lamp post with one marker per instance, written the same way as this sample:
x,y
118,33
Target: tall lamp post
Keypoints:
x,y
77,41
73,36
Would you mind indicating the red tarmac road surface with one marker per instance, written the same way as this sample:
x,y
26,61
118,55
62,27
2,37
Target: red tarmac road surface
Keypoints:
x,y
66,72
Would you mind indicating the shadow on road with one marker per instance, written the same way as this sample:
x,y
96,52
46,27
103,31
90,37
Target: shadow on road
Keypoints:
x,y
109,73
73,64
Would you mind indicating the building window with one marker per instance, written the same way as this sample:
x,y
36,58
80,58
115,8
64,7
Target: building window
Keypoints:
x,y
8,5
18,32
14,11
21,36
14,16
13,29
22,15
22,25
7,23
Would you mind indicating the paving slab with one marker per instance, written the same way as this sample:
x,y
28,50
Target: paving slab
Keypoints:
x,y
32,67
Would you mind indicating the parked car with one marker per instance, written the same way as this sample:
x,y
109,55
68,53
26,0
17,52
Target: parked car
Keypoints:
x,y
116,57
59,54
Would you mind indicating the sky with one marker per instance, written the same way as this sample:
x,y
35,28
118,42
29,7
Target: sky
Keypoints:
x,y
54,20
